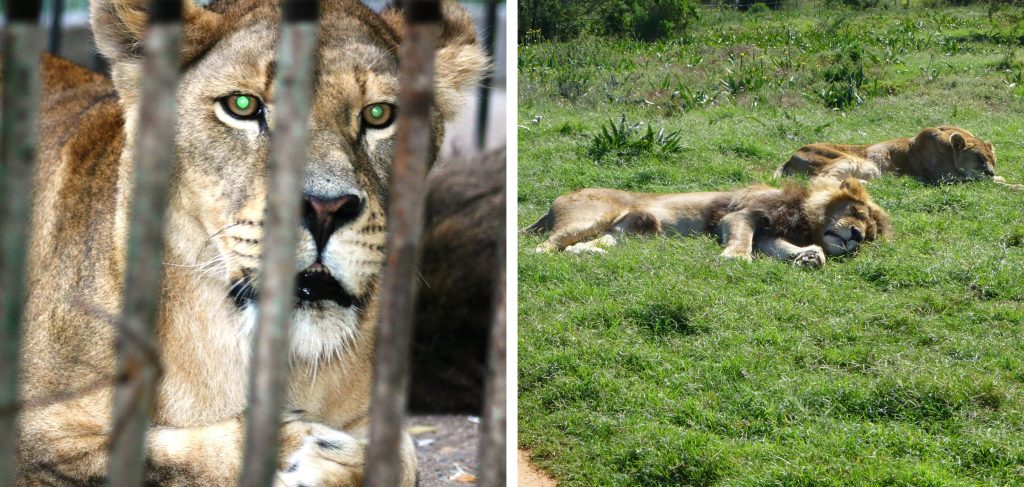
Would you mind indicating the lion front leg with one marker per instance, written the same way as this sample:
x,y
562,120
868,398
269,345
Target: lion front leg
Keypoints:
x,y
810,256
67,443
316,455
737,233
1001,181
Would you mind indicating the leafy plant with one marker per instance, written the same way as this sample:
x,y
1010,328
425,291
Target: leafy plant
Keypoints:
x,y
626,141
745,78
685,99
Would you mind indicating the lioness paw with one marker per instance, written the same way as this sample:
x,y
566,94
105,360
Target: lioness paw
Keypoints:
x,y
325,458
812,257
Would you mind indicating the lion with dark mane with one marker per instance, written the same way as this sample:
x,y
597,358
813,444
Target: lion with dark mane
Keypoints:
x,y
799,224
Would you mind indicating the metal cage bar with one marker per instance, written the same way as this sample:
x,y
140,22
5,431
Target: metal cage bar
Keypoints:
x,y
492,428
405,230
296,52
22,43
138,362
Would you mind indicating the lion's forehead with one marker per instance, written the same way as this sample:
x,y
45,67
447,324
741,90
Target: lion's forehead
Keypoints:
x,y
349,74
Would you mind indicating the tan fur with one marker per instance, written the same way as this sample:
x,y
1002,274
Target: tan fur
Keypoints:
x,y
936,155
797,224
214,232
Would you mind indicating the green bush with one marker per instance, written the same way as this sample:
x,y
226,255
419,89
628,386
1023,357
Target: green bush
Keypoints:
x,y
625,141
551,19
647,20
857,3
658,19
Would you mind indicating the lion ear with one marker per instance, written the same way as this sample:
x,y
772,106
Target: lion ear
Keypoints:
x,y
854,187
119,26
881,219
958,142
460,62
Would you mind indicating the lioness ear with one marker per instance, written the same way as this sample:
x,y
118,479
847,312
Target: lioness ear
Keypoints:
x,y
460,62
119,26
958,142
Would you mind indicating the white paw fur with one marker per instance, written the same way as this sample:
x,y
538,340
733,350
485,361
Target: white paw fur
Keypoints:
x,y
326,458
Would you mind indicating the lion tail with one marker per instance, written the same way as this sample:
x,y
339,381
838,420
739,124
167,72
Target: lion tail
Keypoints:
x,y
543,224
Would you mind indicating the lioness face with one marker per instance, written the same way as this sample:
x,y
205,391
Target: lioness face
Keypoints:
x,y
974,158
227,101
851,219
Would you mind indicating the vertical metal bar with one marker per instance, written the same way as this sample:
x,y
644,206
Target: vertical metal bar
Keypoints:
x,y
490,24
405,229
22,39
492,434
138,363
56,26
296,58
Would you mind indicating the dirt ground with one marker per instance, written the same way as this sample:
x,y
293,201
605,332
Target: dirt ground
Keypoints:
x,y
531,476
446,449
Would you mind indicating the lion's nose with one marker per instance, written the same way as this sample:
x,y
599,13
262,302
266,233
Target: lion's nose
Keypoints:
x,y
322,216
988,171
856,235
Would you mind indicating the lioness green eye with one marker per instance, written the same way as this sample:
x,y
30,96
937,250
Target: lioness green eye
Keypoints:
x,y
378,115
245,107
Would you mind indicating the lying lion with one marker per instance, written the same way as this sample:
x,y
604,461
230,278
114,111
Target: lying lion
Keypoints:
x,y
936,155
800,224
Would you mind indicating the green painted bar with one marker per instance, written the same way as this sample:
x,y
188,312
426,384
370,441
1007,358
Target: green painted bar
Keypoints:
x,y
138,362
405,229
267,387
23,43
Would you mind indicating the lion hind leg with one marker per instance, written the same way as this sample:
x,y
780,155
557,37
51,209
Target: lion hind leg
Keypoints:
x,y
737,233
795,165
595,246
637,222
568,233
851,167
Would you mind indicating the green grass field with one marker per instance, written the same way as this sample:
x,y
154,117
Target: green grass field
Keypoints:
x,y
661,364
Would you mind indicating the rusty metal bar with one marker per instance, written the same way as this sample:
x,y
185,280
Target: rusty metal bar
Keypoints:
x,y
296,60
138,364
487,36
22,43
399,281
492,429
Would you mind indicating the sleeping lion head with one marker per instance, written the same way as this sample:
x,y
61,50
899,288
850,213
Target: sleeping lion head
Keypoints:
x,y
842,216
973,158
227,100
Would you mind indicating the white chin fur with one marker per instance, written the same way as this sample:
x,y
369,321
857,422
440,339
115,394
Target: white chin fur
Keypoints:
x,y
320,331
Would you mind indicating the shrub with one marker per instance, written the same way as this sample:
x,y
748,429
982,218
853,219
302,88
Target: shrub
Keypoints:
x,y
862,4
626,141
663,18
551,19
647,20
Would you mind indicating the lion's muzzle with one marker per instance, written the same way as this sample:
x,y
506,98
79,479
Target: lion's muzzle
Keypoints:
x,y
322,216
